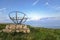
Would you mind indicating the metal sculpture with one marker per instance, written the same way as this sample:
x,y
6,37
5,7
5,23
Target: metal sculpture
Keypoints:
x,y
18,17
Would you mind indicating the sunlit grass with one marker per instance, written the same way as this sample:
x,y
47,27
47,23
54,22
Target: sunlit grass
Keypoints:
x,y
36,33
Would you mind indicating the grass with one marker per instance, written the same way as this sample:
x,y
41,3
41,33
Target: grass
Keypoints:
x,y
36,33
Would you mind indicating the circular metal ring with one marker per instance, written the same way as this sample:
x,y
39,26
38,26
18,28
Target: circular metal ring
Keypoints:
x,y
16,17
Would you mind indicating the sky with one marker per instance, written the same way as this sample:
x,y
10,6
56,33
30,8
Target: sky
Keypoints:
x,y
34,9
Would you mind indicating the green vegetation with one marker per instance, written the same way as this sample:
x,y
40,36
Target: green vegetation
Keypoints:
x,y
35,34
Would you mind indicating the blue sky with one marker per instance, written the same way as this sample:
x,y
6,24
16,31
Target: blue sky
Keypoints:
x,y
35,9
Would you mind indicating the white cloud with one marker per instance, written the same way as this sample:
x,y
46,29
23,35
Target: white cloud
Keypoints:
x,y
46,3
2,9
33,16
49,3
34,3
53,18
3,15
55,7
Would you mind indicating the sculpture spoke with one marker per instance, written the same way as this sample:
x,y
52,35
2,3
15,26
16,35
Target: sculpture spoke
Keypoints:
x,y
15,17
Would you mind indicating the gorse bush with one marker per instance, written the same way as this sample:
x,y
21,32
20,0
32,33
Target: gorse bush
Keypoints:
x,y
2,26
35,34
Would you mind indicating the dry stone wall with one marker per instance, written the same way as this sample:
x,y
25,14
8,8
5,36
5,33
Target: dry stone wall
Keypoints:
x,y
16,28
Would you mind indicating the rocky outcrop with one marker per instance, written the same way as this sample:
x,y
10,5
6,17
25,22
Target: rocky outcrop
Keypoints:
x,y
16,28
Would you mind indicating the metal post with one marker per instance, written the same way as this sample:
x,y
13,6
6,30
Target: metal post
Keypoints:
x,y
16,18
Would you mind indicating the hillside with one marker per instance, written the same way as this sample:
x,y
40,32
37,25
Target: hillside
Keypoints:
x,y
36,33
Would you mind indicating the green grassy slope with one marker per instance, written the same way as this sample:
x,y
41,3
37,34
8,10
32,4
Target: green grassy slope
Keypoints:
x,y
35,34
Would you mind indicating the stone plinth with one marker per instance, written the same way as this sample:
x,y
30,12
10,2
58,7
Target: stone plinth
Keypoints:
x,y
16,28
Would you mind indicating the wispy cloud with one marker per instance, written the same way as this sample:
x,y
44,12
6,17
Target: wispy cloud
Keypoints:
x,y
47,3
34,3
55,7
2,9
52,6
3,15
50,18
54,18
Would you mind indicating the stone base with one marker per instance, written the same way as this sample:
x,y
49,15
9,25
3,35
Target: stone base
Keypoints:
x,y
16,28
